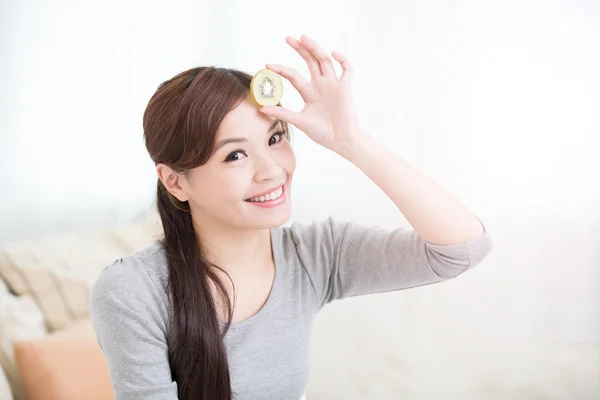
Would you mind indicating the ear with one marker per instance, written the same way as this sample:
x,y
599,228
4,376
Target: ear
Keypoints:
x,y
173,182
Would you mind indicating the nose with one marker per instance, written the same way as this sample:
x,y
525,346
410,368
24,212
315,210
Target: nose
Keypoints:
x,y
266,168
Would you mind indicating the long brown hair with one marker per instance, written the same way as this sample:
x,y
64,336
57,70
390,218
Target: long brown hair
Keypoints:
x,y
180,125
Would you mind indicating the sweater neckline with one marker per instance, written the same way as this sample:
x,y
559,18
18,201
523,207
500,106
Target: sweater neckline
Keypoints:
x,y
275,234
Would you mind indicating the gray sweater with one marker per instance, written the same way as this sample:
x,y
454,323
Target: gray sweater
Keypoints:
x,y
268,353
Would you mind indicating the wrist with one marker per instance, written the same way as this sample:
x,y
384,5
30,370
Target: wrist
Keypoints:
x,y
356,146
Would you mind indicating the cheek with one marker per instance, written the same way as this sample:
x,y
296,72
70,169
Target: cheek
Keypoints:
x,y
232,184
221,187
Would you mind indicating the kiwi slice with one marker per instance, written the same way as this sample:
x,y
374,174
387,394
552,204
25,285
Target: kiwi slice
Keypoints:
x,y
266,88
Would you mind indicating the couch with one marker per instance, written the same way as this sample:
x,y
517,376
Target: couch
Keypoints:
x,y
48,349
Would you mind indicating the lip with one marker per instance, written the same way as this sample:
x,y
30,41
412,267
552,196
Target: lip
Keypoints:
x,y
271,203
266,193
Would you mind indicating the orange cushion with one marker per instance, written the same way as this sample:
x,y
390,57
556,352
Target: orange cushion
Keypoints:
x,y
65,365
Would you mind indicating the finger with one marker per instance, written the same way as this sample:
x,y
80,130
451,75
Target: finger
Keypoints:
x,y
345,64
293,76
283,114
311,61
320,54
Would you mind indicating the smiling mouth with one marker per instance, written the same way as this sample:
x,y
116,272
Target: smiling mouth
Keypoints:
x,y
273,195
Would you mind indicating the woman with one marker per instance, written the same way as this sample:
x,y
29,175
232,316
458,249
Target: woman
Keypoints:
x,y
222,307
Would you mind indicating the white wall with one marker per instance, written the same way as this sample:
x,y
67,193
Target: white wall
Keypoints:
x,y
497,100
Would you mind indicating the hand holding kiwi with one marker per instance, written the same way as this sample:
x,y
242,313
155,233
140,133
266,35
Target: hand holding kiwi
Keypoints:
x,y
328,116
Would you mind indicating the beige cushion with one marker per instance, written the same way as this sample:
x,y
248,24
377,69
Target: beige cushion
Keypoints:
x,y
5,392
65,365
20,318
58,271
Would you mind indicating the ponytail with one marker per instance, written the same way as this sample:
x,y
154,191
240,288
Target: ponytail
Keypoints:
x,y
198,360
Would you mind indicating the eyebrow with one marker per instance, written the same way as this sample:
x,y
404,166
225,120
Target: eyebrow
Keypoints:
x,y
223,142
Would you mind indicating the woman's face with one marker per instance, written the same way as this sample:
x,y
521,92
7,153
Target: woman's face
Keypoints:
x,y
246,184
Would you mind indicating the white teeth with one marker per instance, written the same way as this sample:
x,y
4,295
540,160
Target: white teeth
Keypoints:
x,y
271,196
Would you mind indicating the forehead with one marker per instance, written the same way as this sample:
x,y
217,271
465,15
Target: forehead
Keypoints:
x,y
243,121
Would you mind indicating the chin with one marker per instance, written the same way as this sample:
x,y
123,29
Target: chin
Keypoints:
x,y
274,220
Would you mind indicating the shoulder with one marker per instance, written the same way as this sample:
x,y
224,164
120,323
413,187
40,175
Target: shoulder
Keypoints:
x,y
316,232
136,277
128,302
315,242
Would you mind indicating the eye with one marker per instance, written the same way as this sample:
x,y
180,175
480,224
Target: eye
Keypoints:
x,y
235,156
276,138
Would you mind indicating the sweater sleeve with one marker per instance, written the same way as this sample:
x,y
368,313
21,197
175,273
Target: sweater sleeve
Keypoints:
x,y
128,314
345,259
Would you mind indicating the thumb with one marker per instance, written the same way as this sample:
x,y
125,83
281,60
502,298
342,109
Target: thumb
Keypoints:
x,y
283,114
